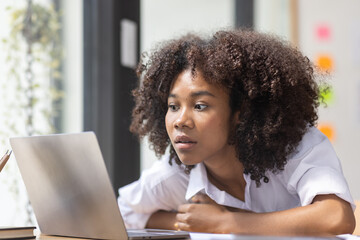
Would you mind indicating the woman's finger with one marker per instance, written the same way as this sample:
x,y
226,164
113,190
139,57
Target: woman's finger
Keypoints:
x,y
181,217
201,198
184,208
180,226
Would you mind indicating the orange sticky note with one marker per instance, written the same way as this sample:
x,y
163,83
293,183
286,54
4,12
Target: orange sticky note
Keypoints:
x,y
328,130
325,63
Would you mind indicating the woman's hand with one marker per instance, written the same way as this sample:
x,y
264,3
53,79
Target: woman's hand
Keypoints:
x,y
199,217
202,215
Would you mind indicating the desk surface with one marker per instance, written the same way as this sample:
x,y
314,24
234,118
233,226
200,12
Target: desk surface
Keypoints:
x,y
196,236
47,237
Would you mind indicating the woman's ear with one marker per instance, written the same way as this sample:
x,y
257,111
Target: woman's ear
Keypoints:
x,y
235,121
236,117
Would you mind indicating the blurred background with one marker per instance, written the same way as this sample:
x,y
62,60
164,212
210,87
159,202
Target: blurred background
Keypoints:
x,y
68,66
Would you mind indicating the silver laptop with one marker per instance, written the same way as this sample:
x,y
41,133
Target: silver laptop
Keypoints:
x,y
70,190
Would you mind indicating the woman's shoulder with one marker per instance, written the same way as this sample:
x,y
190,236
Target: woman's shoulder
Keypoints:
x,y
161,186
312,139
163,171
314,151
155,181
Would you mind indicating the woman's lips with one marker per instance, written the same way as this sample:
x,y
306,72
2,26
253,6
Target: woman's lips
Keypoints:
x,y
183,142
184,146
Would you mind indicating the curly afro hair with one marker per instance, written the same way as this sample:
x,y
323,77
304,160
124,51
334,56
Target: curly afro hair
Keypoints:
x,y
270,83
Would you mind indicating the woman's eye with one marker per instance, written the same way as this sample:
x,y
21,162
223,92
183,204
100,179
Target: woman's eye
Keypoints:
x,y
200,107
173,107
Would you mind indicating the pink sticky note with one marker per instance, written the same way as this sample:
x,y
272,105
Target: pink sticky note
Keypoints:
x,y
323,32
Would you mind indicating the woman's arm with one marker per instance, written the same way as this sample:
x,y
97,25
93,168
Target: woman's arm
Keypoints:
x,y
327,215
162,220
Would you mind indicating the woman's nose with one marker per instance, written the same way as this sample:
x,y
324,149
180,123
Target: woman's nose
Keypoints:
x,y
184,120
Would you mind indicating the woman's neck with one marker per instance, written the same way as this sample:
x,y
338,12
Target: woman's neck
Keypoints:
x,y
228,176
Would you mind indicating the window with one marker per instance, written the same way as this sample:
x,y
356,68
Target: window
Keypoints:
x,y
41,84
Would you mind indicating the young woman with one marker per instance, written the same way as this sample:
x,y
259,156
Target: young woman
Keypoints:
x,y
237,114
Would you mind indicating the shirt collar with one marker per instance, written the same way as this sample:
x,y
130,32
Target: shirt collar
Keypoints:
x,y
199,183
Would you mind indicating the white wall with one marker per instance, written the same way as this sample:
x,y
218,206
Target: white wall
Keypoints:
x,y
163,19
73,65
342,18
272,17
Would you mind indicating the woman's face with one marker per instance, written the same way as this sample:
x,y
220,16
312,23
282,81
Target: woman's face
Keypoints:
x,y
198,120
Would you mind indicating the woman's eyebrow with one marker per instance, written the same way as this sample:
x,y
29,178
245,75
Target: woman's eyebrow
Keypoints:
x,y
202,93
194,94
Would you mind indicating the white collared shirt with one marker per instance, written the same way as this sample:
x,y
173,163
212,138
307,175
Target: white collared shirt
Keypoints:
x,y
313,169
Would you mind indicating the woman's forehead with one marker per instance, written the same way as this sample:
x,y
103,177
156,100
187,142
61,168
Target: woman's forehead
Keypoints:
x,y
187,81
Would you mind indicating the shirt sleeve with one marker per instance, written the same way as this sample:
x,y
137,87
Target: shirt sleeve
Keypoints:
x,y
162,187
318,172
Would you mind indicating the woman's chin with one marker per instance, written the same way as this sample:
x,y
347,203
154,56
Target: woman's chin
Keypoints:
x,y
189,161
